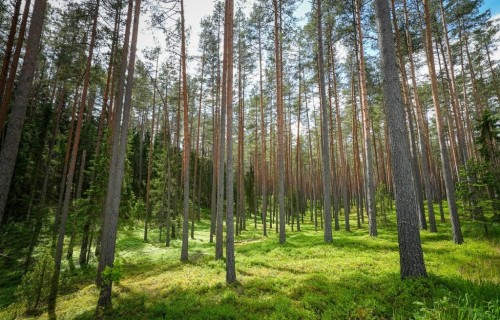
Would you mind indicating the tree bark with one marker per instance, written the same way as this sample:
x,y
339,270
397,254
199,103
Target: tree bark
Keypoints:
x,y
71,171
423,142
117,164
6,57
370,186
410,250
463,156
150,158
280,120
219,234
445,162
10,147
263,138
230,262
197,149
324,133
409,119
186,144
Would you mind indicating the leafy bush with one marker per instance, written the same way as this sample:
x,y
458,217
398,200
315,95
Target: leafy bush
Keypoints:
x,y
112,274
34,288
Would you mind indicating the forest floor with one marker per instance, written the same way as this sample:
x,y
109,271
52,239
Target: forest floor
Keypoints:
x,y
356,277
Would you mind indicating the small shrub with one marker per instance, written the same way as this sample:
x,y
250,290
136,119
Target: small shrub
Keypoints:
x,y
112,274
34,289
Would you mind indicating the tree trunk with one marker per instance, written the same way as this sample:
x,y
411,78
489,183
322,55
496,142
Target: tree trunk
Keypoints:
x,y
215,152
46,168
280,120
445,162
7,87
219,250
409,119
263,139
343,163
410,250
298,166
117,164
109,86
71,171
324,133
228,37
60,199
6,57
10,147
370,187
78,195
150,158
421,126
240,204
186,145
463,156
196,161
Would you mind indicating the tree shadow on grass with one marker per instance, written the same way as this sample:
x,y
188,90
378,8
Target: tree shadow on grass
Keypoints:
x,y
297,245
315,296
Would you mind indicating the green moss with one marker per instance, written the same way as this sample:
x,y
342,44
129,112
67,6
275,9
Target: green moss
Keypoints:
x,y
355,277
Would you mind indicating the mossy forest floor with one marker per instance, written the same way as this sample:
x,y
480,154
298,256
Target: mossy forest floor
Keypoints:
x,y
356,277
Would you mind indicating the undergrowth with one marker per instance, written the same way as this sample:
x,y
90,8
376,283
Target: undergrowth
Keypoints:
x,y
356,277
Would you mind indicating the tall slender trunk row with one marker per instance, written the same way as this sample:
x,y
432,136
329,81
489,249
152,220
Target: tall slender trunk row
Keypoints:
x,y
186,144
10,147
445,162
369,172
228,38
324,133
118,148
71,169
280,120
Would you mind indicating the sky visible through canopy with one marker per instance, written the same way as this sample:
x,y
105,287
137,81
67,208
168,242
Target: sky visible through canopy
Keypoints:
x,y
195,10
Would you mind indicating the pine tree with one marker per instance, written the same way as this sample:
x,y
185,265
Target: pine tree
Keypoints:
x,y
410,250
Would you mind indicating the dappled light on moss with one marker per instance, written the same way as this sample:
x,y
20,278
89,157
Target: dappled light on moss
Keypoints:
x,y
355,277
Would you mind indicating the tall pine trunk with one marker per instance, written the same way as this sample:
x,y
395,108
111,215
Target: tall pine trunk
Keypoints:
x,y
445,162
263,139
228,37
150,158
186,144
7,55
281,122
410,250
421,126
71,170
219,233
369,173
117,164
10,146
327,210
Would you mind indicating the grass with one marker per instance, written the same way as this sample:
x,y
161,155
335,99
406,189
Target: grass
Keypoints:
x,y
356,277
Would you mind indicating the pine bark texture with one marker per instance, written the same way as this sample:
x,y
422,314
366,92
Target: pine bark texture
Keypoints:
x,y
369,172
8,154
71,170
426,170
445,160
281,124
230,260
186,144
117,165
219,233
6,58
410,250
327,209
